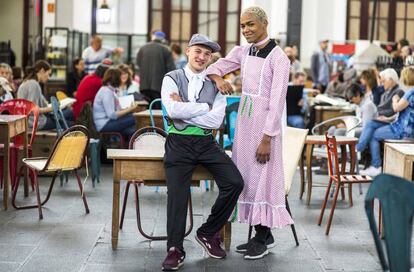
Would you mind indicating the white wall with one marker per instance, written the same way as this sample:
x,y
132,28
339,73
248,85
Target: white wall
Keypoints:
x,y
49,18
276,10
81,20
11,22
322,19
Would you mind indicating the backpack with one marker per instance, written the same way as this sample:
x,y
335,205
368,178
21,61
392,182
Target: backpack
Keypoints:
x,y
85,118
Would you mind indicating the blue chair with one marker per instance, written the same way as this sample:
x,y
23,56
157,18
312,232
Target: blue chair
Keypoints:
x,y
395,195
94,144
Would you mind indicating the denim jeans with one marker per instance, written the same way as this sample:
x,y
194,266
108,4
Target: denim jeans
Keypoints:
x,y
380,134
295,121
367,133
124,125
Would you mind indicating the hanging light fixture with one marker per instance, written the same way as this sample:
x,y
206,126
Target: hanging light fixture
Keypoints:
x,y
104,13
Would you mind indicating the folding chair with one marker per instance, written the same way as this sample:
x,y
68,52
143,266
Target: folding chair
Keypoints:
x,y
68,154
293,142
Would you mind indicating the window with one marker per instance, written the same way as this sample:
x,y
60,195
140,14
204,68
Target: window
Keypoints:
x,y
179,19
394,20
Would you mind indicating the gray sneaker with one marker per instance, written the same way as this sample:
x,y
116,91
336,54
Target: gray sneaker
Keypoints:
x,y
270,243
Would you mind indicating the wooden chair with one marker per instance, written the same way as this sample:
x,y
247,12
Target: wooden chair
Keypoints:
x,y
293,142
148,138
68,154
339,180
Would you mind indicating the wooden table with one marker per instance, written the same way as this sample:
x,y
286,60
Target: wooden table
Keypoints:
x,y
323,113
132,164
142,105
313,140
142,119
399,159
11,126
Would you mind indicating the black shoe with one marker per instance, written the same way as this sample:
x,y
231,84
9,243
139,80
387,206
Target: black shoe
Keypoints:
x,y
270,243
256,251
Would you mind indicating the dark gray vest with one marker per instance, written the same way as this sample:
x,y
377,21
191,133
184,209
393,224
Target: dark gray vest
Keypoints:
x,y
207,94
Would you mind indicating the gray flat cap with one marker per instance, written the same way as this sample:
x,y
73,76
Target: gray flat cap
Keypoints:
x,y
204,40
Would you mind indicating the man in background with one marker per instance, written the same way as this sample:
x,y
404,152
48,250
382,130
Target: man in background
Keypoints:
x,y
154,60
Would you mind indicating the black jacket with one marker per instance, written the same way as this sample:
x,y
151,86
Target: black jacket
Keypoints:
x,y
154,60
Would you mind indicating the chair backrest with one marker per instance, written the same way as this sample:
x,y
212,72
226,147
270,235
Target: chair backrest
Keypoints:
x,y
22,107
69,150
60,120
332,152
231,119
148,138
85,118
395,195
293,142
164,113
351,122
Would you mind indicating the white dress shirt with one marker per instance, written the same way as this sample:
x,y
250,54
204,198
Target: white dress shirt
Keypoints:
x,y
193,113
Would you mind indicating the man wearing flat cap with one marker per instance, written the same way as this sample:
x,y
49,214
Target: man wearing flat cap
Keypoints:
x,y
195,107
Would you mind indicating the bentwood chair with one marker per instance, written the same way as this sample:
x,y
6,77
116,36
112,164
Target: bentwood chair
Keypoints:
x,y
336,178
68,154
148,138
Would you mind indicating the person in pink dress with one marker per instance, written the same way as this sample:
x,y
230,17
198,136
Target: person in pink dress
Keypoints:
x,y
257,147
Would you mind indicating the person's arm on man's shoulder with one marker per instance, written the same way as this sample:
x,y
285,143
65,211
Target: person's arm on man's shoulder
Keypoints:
x,y
214,118
179,109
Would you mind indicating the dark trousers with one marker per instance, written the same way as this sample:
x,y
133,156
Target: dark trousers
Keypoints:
x,y
124,125
151,95
182,154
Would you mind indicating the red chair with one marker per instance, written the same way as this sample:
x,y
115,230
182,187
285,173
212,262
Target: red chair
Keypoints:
x,y
19,107
339,179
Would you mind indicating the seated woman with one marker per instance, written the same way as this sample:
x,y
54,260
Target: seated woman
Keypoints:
x,y
369,82
107,113
30,90
75,76
88,88
365,108
128,86
403,127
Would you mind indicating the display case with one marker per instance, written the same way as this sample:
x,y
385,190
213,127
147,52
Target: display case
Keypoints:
x,y
57,49
129,42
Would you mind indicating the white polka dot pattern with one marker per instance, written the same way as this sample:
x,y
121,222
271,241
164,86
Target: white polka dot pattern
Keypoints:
x,y
264,86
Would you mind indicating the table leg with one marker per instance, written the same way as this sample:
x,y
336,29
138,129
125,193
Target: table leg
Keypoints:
x,y
343,167
6,169
115,205
25,155
309,153
226,235
302,176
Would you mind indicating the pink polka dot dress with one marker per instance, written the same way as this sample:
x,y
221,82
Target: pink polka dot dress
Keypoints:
x,y
264,86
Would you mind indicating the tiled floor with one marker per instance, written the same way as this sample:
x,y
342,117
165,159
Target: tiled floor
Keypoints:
x,y
69,240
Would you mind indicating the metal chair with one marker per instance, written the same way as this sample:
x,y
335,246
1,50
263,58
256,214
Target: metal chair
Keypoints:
x,y
351,123
19,107
147,138
395,195
336,178
68,154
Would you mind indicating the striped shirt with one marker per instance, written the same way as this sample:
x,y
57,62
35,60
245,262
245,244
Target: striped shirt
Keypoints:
x,y
93,58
